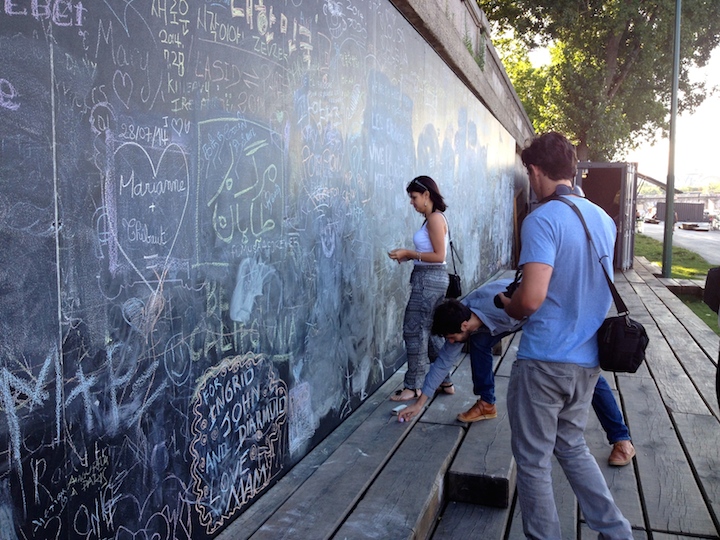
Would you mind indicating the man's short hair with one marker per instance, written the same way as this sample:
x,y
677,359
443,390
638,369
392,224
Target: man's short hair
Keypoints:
x,y
552,153
449,316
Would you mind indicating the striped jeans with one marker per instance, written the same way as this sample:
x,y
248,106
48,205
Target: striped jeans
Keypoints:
x,y
429,284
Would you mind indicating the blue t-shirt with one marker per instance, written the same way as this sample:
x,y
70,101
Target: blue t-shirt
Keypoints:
x,y
481,302
564,328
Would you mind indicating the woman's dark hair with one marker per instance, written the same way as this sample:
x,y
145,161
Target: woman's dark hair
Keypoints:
x,y
449,316
552,153
421,184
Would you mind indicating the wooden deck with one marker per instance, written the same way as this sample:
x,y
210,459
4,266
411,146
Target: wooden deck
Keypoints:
x,y
438,478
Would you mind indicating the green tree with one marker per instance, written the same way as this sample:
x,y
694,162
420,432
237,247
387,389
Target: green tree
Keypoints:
x,y
609,82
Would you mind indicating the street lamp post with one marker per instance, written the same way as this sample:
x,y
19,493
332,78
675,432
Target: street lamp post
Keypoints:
x,y
670,188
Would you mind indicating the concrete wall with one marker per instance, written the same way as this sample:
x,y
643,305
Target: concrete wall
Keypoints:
x,y
446,25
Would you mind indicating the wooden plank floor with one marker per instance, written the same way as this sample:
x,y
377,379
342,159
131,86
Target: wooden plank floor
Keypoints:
x,y
377,478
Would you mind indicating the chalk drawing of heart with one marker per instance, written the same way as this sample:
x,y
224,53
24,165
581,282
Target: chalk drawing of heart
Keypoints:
x,y
179,125
52,529
150,204
123,86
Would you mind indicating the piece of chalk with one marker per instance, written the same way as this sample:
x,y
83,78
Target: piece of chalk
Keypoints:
x,y
399,408
402,419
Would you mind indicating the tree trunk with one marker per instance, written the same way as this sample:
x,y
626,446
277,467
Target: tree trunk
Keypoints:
x,y
582,151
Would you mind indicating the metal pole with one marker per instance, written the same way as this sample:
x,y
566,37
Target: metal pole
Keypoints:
x,y
670,189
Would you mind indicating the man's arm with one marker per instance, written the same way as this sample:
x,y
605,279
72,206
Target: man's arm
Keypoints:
x,y
531,293
442,365
411,410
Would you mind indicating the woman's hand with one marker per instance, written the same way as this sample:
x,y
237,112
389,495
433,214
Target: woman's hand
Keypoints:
x,y
400,255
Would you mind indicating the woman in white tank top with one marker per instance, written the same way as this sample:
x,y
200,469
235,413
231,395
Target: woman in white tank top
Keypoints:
x,y
429,282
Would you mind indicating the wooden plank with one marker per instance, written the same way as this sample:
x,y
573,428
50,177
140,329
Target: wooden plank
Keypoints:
x,y
610,378
253,518
635,305
690,287
647,276
318,506
407,496
699,329
700,435
461,521
671,496
587,534
663,536
645,266
668,343
701,332
630,275
669,283
515,531
504,367
483,471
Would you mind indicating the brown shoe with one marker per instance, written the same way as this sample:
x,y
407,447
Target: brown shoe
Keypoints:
x,y
622,454
479,411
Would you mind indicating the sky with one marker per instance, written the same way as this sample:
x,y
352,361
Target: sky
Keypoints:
x,y
696,144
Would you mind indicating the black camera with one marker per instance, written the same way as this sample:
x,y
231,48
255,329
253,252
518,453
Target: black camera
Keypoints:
x,y
509,291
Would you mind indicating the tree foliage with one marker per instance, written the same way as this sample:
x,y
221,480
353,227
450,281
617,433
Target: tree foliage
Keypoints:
x,y
609,82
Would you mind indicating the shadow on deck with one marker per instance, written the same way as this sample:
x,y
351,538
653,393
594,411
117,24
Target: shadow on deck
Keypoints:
x,y
435,477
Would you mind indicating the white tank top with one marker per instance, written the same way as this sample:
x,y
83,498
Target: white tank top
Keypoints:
x,y
422,242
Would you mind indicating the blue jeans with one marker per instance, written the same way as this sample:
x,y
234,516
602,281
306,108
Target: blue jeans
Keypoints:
x,y
548,406
608,412
480,346
603,400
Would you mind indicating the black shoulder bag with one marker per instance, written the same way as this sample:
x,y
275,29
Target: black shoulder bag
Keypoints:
x,y
621,340
454,289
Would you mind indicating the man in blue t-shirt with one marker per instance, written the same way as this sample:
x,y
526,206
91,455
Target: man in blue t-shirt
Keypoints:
x,y
477,321
565,298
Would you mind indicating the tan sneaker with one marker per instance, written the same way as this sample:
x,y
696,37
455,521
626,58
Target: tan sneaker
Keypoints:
x,y
479,411
622,454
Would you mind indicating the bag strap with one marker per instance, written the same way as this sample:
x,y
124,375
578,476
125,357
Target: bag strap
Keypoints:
x,y
453,253
619,304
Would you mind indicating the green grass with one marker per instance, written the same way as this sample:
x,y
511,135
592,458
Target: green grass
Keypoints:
x,y
685,265
701,310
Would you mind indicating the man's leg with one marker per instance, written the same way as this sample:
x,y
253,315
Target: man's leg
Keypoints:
x,y
481,364
608,412
534,400
610,417
580,467
481,367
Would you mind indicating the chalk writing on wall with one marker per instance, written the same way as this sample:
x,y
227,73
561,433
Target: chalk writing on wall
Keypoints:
x,y
238,427
196,202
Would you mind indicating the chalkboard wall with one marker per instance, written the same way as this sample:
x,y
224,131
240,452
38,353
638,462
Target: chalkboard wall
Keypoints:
x,y
196,202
